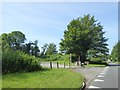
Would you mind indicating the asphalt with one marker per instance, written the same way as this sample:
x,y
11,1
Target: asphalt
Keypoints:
x,y
108,79
89,72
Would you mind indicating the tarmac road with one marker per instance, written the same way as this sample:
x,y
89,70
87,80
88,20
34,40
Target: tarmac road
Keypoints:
x,y
108,79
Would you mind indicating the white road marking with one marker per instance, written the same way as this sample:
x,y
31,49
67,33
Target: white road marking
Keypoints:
x,y
102,73
100,76
93,87
98,80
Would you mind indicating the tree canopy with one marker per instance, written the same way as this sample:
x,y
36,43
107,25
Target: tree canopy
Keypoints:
x,y
84,34
12,40
16,41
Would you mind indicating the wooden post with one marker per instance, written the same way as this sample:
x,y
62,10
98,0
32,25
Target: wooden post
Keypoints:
x,y
70,59
78,60
50,64
69,64
64,64
57,65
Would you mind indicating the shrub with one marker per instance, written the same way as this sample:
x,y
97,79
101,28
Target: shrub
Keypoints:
x,y
16,61
57,57
97,61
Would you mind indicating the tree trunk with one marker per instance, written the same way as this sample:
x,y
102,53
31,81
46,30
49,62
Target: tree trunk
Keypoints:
x,y
83,57
78,61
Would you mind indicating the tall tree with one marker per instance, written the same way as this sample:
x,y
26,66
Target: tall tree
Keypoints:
x,y
81,35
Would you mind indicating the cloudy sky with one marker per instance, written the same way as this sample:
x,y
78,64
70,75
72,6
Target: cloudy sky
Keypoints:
x,y
47,21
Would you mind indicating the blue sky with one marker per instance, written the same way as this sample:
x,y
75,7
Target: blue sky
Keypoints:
x,y
46,22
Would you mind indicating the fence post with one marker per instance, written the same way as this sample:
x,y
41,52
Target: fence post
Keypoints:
x,y
69,64
50,64
64,64
57,65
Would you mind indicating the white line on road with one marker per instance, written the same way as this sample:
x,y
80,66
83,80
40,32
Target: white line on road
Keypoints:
x,y
93,87
98,80
100,76
102,73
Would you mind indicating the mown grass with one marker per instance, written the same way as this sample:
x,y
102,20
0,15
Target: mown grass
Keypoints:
x,y
0,82
48,78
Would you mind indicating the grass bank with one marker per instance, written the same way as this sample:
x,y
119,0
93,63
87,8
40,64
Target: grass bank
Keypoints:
x,y
48,78
95,65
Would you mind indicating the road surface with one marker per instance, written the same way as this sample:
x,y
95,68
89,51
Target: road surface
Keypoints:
x,y
108,79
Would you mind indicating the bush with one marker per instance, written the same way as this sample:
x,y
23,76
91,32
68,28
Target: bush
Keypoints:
x,y
57,57
97,61
16,61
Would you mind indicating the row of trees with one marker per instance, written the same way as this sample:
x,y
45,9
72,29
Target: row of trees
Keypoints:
x,y
16,41
19,56
84,37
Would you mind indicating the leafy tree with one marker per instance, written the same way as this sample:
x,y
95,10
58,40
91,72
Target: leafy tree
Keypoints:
x,y
13,40
115,52
31,48
16,39
83,34
51,49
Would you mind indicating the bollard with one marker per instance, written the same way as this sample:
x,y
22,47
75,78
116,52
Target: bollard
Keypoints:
x,y
69,64
64,64
50,64
57,65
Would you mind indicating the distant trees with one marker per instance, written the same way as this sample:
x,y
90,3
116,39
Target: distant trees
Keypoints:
x,y
31,48
115,54
16,41
49,49
44,49
84,34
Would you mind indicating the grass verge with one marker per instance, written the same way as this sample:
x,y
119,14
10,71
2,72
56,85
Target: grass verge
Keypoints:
x,y
48,78
95,65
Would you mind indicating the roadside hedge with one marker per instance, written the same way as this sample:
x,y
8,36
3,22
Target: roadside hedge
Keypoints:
x,y
97,61
16,61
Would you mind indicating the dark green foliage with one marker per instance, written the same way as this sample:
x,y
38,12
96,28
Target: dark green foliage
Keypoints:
x,y
16,55
16,61
115,54
13,40
97,61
